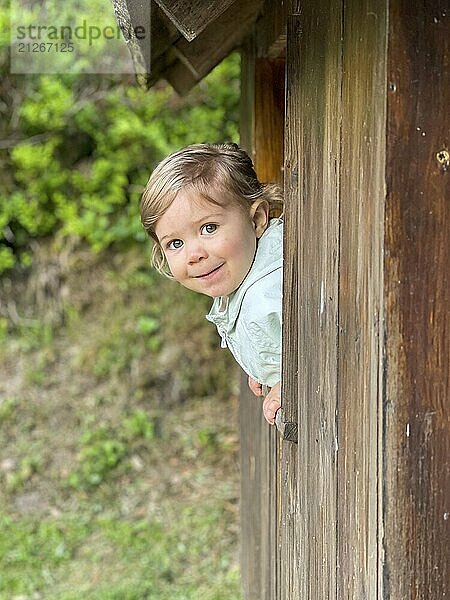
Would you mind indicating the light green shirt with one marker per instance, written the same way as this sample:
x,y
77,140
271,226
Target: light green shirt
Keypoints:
x,y
249,320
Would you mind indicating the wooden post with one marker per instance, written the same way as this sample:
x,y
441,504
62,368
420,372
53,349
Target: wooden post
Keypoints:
x,y
262,123
367,253
311,298
416,448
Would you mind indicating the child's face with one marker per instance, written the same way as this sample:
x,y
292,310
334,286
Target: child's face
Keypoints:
x,y
209,248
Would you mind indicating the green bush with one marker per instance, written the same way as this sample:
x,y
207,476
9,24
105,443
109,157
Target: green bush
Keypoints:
x,y
88,146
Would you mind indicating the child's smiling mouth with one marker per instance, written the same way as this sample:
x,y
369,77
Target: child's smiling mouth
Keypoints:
x,y
209,273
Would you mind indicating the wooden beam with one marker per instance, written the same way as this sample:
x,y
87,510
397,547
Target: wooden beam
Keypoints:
x,y
312,156
163,52
131,16
360,317
417,298
180,77
271,31
269,106
152,49
362,509
267,153
260,443
191,17
163,34
215,43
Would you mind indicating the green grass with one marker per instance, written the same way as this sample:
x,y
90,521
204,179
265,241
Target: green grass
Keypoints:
x,y
118,445
86,556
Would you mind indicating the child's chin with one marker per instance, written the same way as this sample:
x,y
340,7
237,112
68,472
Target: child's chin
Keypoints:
x,y
212,291
199,291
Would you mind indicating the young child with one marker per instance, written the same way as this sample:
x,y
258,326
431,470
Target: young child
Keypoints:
x,y
209,218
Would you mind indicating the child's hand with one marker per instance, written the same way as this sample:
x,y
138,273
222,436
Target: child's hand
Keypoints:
x,y
255,386
272,402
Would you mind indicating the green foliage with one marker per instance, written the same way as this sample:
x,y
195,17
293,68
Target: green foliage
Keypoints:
x,y
208,440
87,148
114,354
103,449
36,376
138,426
7,260
28,466
149,326
33,335
100,453
77,152
7,409
3,327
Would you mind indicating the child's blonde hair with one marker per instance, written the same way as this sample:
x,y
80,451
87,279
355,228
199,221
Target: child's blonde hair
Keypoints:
x,y
220,173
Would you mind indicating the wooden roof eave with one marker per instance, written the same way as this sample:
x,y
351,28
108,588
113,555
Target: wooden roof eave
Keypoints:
x,y
170,55
192,17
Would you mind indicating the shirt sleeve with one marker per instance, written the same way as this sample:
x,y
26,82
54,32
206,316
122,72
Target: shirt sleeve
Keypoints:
x,y
266,335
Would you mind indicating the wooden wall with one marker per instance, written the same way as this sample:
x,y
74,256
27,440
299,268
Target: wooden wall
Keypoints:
x,y
416,447
359,508
312,176
262,119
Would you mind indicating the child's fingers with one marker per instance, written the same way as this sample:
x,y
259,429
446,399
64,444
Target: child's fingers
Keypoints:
x,y
270,407
255,387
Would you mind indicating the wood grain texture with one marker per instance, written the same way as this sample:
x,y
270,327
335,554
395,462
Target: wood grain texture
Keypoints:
x,y
417,297
258,463
163,34
259,443
362,502
271,30
131,15
311,281
268,151
182,61
217,40
269,106
269,127
191,17
360,297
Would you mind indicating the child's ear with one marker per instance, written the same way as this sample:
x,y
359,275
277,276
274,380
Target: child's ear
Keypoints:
x,y
259,213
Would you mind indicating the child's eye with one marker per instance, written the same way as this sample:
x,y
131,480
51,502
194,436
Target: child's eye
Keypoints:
x,y
174,244
209,228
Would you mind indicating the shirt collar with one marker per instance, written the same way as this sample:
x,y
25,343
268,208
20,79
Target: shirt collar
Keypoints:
x,y
268,257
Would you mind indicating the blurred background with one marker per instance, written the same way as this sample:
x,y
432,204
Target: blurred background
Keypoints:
x,y
118,436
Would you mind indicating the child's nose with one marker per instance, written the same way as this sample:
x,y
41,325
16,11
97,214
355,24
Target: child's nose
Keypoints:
x,y
196,252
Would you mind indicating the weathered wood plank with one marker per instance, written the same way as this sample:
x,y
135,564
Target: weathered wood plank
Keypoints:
x,y
417,297
152,51
269,105
287,580
311,291
165,53
163,33
271,30
180,77
134,20
191,17
268,135
207,50
360,297
259,508
258,498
